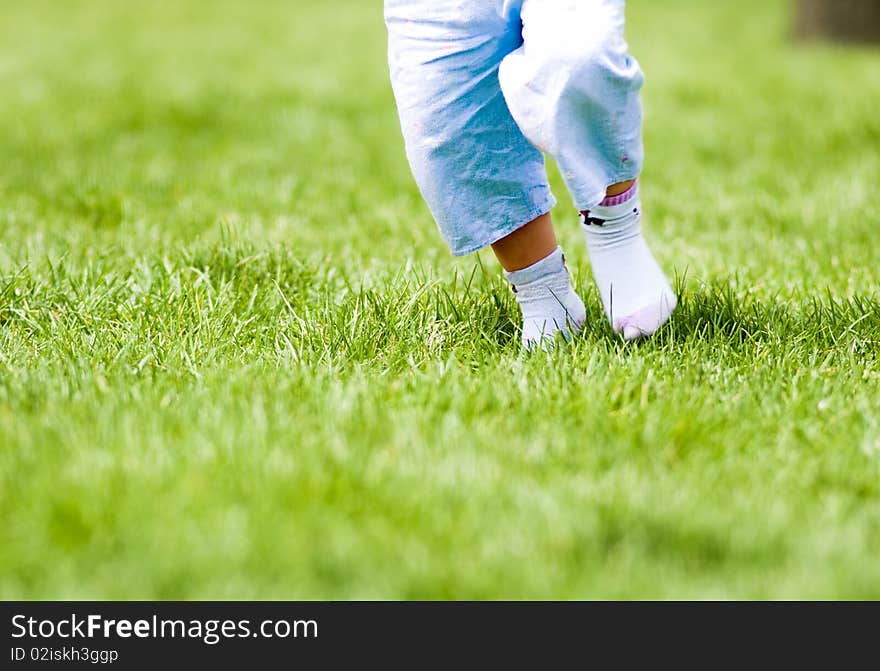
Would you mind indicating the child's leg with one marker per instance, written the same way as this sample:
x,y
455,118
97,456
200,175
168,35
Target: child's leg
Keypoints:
x,y
535,267
574,92
483,181
526,245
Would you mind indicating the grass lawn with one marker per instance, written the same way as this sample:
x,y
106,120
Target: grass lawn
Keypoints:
x,y
236,360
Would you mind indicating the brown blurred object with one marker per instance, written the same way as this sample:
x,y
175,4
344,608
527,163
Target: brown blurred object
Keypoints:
x,y
842,20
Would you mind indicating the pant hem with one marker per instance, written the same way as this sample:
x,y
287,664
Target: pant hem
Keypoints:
x,y
537,210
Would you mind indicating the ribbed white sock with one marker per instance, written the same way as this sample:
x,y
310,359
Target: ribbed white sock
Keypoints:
x,y
548,301
636,295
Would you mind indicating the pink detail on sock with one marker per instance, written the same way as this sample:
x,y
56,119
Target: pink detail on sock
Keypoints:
x,y
621,198
645,322
639,324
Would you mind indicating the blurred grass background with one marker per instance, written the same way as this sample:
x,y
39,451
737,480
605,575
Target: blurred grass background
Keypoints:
x,y
236,360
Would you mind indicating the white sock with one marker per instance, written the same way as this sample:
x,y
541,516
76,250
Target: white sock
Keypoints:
x,y
549,303
636,295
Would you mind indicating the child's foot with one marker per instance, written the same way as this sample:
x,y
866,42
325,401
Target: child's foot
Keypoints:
x,y
549,303
636,295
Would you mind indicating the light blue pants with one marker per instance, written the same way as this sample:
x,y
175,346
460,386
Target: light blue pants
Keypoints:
x,y
484,86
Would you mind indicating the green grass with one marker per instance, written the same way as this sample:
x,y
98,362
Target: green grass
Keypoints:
x,y
236,360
